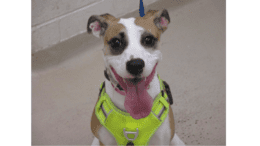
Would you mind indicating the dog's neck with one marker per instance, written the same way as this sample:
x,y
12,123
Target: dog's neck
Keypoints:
x,y
119,99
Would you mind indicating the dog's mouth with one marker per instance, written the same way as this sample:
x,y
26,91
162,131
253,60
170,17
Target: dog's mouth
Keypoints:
x,y
134,81
123,82
137,100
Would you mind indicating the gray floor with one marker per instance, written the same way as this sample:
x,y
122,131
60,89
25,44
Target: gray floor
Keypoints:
x,y
66,78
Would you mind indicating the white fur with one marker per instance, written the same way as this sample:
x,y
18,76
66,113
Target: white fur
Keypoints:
x,y
92,26
136,50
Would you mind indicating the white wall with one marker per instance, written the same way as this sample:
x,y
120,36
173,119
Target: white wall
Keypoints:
x,y
54,21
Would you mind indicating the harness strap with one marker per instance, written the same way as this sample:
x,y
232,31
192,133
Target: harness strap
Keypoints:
x,y
165,88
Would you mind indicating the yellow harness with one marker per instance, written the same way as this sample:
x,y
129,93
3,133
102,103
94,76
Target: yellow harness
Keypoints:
x,y
127,130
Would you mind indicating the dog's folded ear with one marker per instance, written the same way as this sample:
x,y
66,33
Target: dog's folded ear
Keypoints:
x,y
97,24
161,18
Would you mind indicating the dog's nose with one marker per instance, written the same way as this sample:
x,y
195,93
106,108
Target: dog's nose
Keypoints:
x,y
135,66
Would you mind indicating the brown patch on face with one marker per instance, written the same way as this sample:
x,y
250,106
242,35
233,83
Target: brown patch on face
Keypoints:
x,y
108,17
114,28
147,22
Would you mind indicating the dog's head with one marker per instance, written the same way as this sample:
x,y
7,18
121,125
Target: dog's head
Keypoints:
x,y
131,46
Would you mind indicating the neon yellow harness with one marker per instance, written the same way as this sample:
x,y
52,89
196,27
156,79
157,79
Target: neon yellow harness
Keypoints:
x,y
126,129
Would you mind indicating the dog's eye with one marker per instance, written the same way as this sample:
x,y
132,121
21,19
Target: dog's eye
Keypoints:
x,y
115,43
149,41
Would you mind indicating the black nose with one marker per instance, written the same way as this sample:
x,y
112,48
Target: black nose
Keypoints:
x,y
135,66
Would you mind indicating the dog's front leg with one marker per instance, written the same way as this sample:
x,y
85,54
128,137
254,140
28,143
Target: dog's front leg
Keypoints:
x,y
176,141
105,137
95,142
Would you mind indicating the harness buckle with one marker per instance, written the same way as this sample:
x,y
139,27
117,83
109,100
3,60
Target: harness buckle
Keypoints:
x,y
131,132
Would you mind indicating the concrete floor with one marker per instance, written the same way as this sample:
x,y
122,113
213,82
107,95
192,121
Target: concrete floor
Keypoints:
x,y
66,78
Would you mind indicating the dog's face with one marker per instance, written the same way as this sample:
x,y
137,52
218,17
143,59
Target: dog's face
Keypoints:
x,y
131,46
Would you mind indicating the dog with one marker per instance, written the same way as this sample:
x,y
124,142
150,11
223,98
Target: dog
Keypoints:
x,y
125,113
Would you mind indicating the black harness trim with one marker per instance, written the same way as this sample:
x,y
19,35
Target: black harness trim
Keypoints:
x,y
168,92
101,89
130,143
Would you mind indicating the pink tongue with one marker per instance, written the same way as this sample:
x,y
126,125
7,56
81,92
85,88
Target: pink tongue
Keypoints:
x,y
137,101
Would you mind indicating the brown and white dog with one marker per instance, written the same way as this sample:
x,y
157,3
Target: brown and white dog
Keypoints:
x,y
131,53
